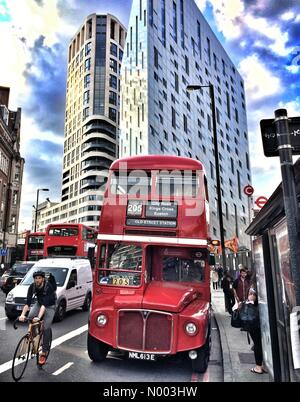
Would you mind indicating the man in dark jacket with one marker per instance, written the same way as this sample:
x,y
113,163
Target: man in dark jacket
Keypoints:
x,y
43,308
241,286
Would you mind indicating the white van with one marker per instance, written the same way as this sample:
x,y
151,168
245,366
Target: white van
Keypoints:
x,y
74,281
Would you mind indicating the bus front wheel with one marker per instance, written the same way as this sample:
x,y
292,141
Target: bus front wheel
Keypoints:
x,y
200,364
97,350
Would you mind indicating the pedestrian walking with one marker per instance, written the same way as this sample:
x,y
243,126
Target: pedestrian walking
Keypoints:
x,y
228,292
215,279
220,274
241,286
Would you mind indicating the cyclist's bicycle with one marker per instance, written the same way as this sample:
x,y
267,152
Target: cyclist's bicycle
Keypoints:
x,y
30,345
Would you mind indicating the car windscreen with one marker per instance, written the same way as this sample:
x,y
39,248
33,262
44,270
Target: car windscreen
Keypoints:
x,y
59,274
20,269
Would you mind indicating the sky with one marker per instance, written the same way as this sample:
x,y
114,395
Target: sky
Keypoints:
x,y
262,37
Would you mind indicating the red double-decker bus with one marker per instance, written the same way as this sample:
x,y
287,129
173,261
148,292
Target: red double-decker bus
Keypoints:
x,y
34,246
69,239
152,282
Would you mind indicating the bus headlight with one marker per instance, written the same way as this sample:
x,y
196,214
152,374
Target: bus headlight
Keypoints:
x,y
102,320
191,328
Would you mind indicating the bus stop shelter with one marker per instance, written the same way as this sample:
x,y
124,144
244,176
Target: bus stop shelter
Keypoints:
x,y
275,286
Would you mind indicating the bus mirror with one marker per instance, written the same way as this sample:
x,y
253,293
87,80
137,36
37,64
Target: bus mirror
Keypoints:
x,y
211,259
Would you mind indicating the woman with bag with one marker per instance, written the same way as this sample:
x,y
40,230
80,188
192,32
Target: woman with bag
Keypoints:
x,y
249,316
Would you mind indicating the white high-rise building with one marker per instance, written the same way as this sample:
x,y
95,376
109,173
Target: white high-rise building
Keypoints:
x,y
91,120
169,46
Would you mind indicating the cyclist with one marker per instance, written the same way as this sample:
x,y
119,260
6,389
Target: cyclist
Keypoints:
x,y
43,308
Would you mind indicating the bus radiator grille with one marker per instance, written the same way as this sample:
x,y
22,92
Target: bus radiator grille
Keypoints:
x,y
145,331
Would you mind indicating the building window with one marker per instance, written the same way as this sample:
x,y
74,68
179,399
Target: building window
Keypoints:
x,y
86,97
163,22
151,13
212,171
185,124
223,67
113,82
88,48
208,51
176,82
187,67
209,122
113,65
156,61
173,118
112,29
87,80
182,24
114,49
236,115
112,98
239,184
199,37
174,21
228,104
87,65
86,112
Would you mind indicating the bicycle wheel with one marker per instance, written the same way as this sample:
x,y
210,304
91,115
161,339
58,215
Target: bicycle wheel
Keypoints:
x,y
21,358
39,350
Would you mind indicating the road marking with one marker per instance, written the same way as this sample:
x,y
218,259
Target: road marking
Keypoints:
x,y
206,376
5,318
63,368
7,366
195,377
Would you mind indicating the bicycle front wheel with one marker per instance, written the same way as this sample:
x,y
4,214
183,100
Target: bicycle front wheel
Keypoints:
x,y
40,346
21,356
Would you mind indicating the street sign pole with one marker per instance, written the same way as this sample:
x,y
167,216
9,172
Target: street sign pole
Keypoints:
x,y
289,194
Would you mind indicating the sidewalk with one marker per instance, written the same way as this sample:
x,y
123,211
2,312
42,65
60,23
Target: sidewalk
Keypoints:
x,y
238,358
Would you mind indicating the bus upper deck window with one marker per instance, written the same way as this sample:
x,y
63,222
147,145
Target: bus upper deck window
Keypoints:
x,y
134,183
177,184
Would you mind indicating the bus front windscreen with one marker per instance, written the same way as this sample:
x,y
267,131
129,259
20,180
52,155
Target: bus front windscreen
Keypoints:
x,y
123,266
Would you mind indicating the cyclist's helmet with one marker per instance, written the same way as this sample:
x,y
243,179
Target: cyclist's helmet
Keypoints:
x,y
39,273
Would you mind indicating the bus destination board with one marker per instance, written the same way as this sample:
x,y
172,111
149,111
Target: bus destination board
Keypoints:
x,y
151,223
156,209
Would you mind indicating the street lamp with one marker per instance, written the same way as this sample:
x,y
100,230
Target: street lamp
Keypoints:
x,y
191,88
37,204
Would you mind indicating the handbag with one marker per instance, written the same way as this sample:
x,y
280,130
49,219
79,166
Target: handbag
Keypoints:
x,y
235,319
249,317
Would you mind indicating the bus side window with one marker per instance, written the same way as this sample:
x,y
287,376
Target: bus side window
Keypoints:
x,y
206,189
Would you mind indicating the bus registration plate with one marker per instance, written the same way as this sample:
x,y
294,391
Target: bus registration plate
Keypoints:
x,y
142,356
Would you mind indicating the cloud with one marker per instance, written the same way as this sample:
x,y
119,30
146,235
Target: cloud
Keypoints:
x,y
260,82
46,78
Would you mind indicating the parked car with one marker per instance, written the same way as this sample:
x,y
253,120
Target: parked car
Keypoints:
x,y
13,276
74,286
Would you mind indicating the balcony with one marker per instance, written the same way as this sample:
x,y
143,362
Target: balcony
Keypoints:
x,y
101,127
101,146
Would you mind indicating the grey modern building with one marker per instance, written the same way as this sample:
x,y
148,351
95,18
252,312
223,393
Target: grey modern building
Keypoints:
x,y
91,120
169,46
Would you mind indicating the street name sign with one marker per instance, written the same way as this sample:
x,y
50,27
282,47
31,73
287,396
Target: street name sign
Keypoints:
x,y
270,137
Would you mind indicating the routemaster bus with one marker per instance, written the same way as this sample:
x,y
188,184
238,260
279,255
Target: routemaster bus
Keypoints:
x,y
34,246
69,239
151,294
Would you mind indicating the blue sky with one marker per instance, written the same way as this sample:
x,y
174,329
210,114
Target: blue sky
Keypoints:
x,y
261,36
